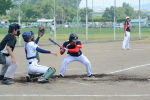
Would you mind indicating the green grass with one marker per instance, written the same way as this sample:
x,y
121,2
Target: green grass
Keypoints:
x,y
93,34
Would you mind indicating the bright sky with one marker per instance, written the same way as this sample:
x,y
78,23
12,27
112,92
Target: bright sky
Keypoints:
x,y
108,3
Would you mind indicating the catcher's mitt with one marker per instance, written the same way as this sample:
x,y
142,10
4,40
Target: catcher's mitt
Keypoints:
x,y
41,30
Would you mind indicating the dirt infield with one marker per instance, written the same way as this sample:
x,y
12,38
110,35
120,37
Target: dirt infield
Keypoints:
x,y
119,75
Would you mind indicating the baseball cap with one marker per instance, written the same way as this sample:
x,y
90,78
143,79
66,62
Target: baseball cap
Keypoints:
x,y
127,17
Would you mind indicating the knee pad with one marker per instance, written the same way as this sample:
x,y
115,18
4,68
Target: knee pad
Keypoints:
x,y
49,73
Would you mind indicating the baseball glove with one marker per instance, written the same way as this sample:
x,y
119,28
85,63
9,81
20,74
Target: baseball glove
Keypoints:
x,y
41,30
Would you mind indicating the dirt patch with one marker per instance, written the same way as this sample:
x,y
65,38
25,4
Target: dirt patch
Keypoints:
x,y
97,77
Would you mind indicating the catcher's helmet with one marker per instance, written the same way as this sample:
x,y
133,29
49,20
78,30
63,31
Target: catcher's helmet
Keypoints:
x,y
73,37
27,35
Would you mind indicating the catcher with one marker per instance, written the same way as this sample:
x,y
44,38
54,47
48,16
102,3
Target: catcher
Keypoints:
x,y
74,53
35,70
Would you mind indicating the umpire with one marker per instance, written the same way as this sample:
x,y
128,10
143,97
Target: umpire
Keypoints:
x,y
7,46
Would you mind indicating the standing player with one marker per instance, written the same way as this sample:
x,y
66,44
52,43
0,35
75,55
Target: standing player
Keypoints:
x,y
52,29
33,68
74,53
6,47
127,29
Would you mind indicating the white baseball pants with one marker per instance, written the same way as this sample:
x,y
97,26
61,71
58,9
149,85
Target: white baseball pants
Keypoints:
x,y
36,69
51,32
83,59
126,41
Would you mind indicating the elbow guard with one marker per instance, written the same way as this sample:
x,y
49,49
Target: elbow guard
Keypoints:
x,y
79,46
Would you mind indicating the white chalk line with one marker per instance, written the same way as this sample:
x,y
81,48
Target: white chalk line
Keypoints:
x,y
78,83
45,95
128,69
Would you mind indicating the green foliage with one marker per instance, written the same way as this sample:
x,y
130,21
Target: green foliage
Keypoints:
x,y
5,5
22,20
32,9
82,12
97,18
122,12
68,3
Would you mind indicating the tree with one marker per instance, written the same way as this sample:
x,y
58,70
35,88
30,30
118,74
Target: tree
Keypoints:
x,y
97,17
30,13
68,3
122,12
13,14
129,11
82,13
109,13
5,5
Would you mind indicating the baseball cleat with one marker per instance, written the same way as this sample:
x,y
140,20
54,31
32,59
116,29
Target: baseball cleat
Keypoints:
x,y
60,76
28,77
91,76
1,77
129,49
8,82
42,80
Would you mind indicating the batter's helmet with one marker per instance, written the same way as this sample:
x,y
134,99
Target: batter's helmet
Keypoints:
x,y
73,37
27,35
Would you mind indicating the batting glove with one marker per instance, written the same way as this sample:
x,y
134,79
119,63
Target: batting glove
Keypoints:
x,y
65,49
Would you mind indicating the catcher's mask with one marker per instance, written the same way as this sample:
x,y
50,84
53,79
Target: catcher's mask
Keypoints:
x,y
14,27
73,37
27,35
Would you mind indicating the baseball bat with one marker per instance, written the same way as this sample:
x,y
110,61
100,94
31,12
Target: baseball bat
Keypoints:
x,y
54,42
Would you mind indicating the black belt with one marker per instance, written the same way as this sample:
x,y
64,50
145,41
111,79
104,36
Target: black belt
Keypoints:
x,y
5,54
31,57
30,62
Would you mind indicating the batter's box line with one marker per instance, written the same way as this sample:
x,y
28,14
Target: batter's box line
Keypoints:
x,y
128,69
46,95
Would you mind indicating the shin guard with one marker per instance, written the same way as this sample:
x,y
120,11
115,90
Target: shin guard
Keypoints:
x,y
49,73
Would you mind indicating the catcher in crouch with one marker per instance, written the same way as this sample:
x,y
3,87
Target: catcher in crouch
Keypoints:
x,y
35,70
74,53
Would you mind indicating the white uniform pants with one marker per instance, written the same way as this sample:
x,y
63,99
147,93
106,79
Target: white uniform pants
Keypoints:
x,y
126,41
51,32
80,58
36,69
9,69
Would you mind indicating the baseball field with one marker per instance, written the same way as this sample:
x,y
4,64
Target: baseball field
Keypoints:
x,y
119,74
